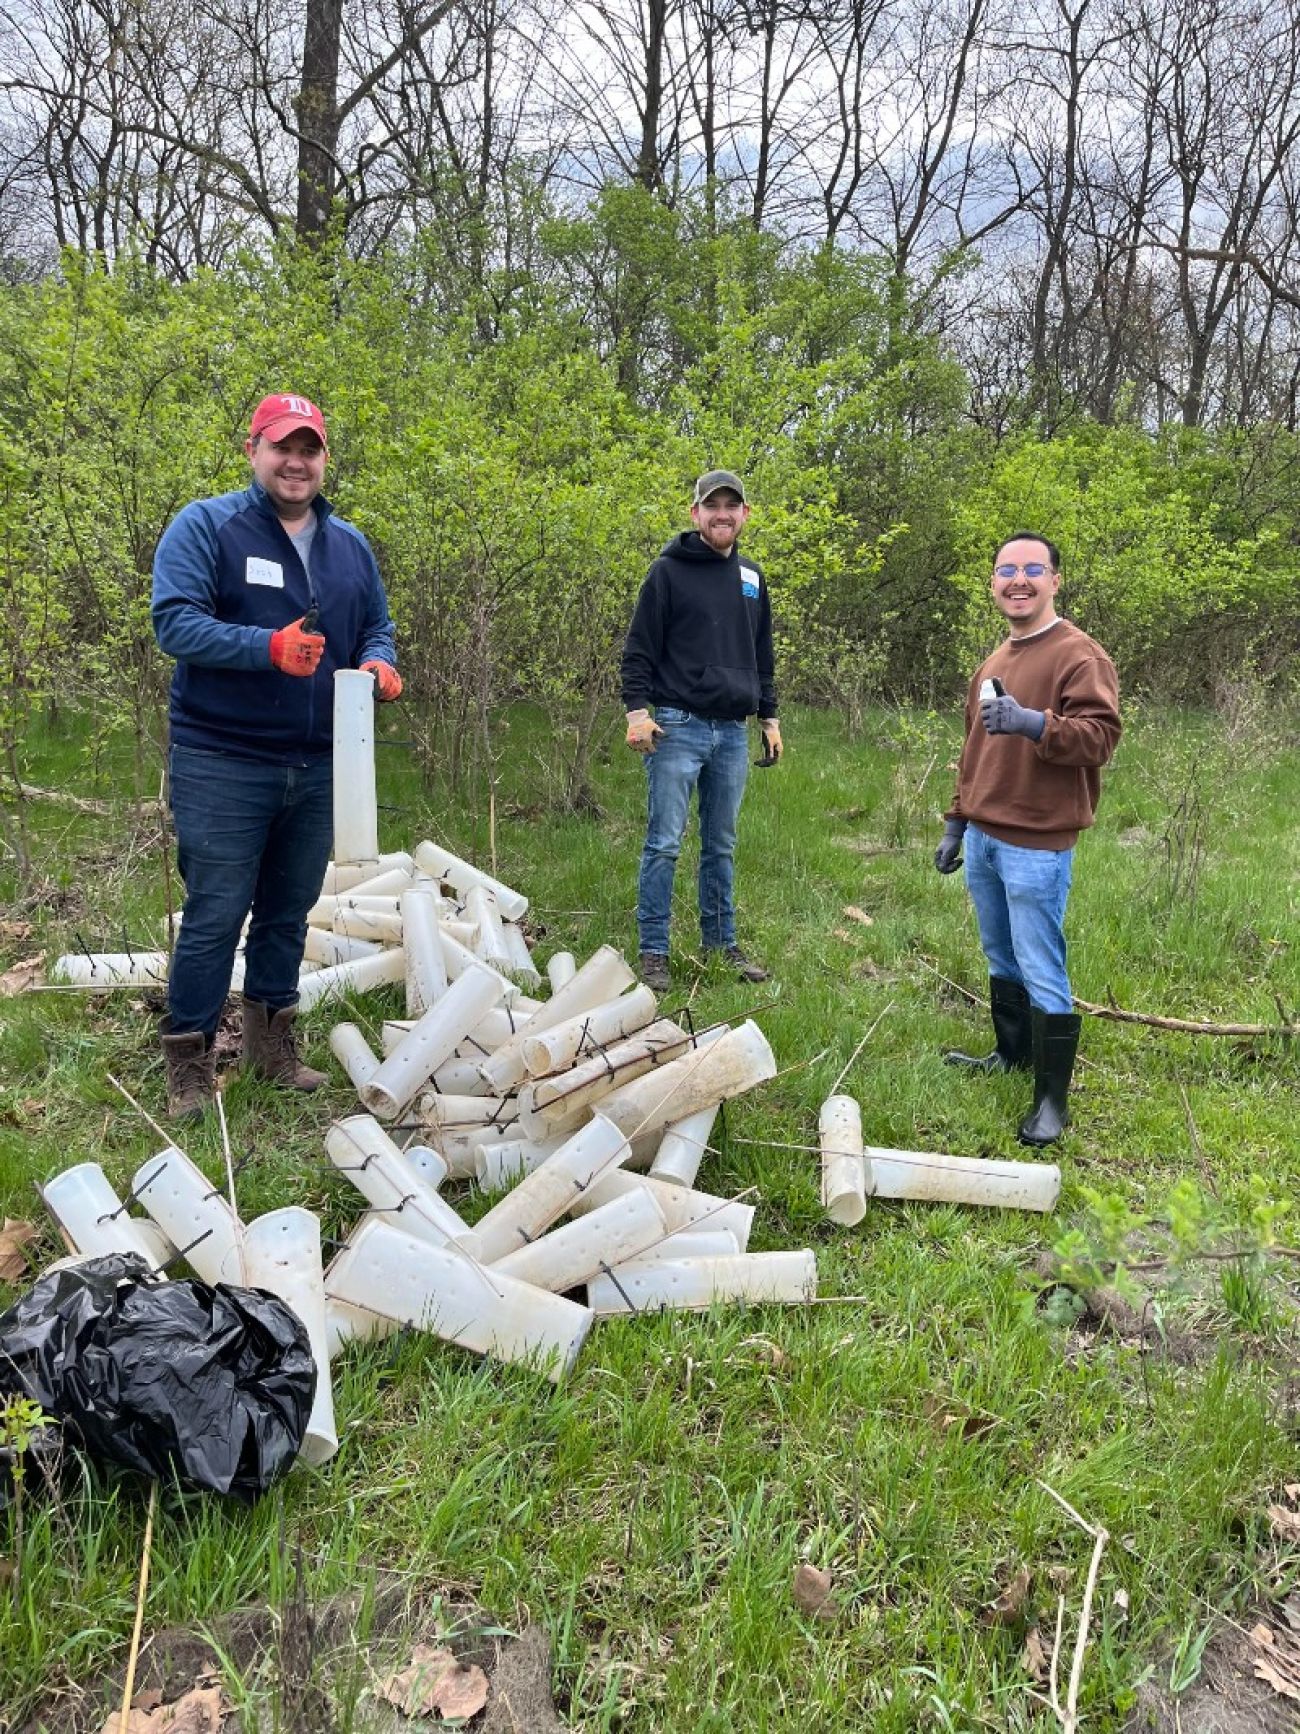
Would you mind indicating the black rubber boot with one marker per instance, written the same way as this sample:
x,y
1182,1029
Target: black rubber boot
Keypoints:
x,y
1056,1042
1012,1034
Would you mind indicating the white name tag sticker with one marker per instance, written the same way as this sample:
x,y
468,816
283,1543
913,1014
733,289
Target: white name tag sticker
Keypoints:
x,y
264,572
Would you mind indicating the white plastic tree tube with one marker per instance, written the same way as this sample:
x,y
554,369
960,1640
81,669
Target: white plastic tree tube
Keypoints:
x,y
357,976
549,1191
360,1148
735,1062
561,968
461,1078
433,1040
193,1213
503,1162
427,1163
325,908
92,1216
458,958
441,864
692,1243
347,875
557,1104
324,946
380,927
557,1048
348,1324
521,959
393,1274
282,1254
481,907
940,1179
691,1284
682,1209
604,975
426,969
161,1249
681,1150
356,812
102,969
353,1052
844,1170
580,1250
451,1113
497,1027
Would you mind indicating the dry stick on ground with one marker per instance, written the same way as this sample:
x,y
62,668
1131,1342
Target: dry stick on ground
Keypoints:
x,y
1187,1026
1069,1716
133,1657
835,1087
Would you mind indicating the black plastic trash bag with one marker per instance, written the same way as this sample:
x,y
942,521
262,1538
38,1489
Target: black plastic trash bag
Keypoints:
x,y
212,1385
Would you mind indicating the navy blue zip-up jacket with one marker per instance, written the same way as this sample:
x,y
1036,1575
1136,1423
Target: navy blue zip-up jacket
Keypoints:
x,y
701,635
225,577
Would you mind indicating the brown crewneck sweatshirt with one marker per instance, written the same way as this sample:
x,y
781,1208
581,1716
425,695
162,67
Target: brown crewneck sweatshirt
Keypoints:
x,y
1041,794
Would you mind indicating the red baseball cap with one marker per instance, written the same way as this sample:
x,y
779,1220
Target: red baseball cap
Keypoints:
x,y
275,418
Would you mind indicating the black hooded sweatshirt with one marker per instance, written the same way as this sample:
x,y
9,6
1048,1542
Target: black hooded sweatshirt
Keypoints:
x,y
701,636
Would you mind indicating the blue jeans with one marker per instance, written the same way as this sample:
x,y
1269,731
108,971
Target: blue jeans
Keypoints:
x,y
1019,897
713,756
248,836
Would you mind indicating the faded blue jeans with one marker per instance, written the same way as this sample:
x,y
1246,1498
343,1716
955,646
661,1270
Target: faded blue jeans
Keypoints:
x,y
713,756
1020,897
248,836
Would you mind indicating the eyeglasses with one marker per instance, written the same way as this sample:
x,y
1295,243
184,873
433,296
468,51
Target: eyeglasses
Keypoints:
x,y
1031,569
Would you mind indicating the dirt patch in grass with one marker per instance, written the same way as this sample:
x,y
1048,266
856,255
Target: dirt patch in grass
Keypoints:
x,y
1226,1698
315,1663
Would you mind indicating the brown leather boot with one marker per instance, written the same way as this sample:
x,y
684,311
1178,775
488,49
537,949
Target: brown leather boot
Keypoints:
x,y
191,1074
271,1051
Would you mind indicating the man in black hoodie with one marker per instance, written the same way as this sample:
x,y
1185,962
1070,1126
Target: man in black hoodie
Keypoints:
x,y
699,650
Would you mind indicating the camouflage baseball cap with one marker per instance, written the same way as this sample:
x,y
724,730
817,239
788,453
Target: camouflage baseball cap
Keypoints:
x,y
713,481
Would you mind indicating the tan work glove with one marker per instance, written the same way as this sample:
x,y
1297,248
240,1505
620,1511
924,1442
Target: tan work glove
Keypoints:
x,y
642,731
771,736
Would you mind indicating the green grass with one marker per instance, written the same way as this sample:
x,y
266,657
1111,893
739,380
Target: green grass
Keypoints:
x,y
652,1511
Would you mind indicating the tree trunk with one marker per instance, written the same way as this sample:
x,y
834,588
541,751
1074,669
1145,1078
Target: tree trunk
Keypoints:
x,y
318,118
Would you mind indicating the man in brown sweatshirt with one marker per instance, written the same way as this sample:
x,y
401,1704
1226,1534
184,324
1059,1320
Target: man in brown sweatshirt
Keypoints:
x,y
1027,784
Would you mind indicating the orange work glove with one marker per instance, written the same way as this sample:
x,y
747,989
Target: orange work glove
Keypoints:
x,y
388,682
642,731
294,651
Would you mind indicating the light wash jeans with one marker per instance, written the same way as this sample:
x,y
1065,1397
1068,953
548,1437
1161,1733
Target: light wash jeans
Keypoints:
x,y
1020,897
712,756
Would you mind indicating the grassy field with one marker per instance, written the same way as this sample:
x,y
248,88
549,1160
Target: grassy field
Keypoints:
x,y
652,1511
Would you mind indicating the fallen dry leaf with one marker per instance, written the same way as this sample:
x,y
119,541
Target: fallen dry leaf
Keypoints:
x,y
1284,1524
1034,1658
948,1412
14,1236
1120,1604
16,930
461,1692
1009,1606
811,1589
765,1350
853,913
434,1681
842,933
21,976
1277,1664
1292,1491
198,1712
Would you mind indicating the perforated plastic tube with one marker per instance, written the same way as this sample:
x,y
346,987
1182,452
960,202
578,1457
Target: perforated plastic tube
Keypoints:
x,y
681,1209
356,813
558,1047
604,975
844,1170
681,1150
347,875
580,1250
282,1254
692,1243
426,969
360,1148
691,1284
111,969
500,1164
964,1179
357,976
324,946
521,959
561,1103
737,1061
354,1053
379,926
549,1191
443,1112
562,967
92,1216
481,907
192,1212
457,958
433,1040
390,1272
441,864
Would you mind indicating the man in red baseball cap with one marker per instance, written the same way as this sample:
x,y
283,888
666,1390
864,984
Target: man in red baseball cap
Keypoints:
x,y
260,595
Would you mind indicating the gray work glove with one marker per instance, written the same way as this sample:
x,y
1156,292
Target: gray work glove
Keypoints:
x,y
1003,716
947,857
